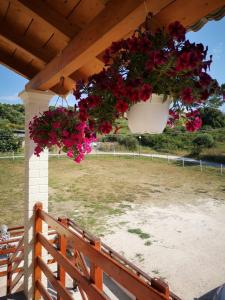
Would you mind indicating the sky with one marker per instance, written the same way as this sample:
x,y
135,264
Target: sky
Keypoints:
x,y
212,34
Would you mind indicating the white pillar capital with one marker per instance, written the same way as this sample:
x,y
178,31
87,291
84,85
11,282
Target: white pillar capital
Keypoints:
x,y
36,180
36,96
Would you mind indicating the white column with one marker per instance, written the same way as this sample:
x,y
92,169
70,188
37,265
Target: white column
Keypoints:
x,y
36,180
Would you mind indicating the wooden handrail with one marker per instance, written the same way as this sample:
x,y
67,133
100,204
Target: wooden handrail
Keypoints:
x,y
91,290
118,272
12,266
106,249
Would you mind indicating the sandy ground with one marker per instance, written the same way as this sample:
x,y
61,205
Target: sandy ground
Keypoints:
x,y
187,243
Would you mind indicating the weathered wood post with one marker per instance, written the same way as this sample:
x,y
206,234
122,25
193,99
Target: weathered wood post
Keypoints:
x,y
62,249
96,273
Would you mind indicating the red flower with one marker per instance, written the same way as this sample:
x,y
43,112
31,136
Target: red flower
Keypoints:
x,y
187,96
56,125
205,79
93,101
177,31
121,106
83,115
105,127
145,92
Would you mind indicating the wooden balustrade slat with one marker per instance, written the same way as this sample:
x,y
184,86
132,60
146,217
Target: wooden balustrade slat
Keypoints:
x,y
62,248
7,251
4,273
53,280
90,289
17,279
42,290
17,262
18,248
81,262
9,277
37,247
9,241
96,273
15,228
119,273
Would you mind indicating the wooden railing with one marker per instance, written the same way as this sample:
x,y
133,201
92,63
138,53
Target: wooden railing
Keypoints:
x,y
13,248
87,263
13,267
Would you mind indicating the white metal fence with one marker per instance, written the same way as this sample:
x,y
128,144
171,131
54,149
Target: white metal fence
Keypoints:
x,y
182,161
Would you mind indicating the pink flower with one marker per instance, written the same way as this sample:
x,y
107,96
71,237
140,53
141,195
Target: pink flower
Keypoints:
x,y
194,125
70,154
79,158
145,92
65,133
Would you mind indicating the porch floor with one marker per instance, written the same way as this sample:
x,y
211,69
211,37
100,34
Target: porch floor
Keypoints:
x,y
15,296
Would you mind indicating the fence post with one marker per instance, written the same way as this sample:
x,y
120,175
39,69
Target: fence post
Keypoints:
x,y
62,248
13,155
37,247
200,165
96,273
9,277
183,162
221,169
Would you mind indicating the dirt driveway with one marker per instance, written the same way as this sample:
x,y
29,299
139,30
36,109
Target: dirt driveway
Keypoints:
x,y
182,243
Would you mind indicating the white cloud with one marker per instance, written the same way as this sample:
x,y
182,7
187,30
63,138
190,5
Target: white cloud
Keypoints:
x,y
11,99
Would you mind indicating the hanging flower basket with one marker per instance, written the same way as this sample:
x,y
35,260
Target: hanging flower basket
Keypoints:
x,y
136,69
60,127
162,63
150,116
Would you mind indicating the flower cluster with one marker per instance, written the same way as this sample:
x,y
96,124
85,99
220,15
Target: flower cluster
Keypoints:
x,y
163,62
191,120
61,127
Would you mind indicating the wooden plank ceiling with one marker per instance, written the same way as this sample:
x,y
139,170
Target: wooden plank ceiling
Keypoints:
x,y
44,40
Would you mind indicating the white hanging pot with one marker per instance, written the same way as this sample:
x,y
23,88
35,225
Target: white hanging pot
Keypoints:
x,y
150,116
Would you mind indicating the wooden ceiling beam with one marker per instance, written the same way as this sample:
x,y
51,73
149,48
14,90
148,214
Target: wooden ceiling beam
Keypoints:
x,y
115,21
23,44
25,69
42,12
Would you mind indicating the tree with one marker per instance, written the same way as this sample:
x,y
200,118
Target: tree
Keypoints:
x,y
212,117
201,141
8,142
13,114
216,101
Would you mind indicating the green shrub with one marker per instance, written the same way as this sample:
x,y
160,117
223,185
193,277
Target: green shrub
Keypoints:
x,y
129,141
201,141
8,142
204,140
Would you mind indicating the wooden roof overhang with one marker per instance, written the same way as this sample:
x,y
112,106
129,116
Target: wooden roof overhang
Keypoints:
x,y
44,40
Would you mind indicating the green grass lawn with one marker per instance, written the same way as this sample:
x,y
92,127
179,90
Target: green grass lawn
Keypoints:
x,y
101,187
